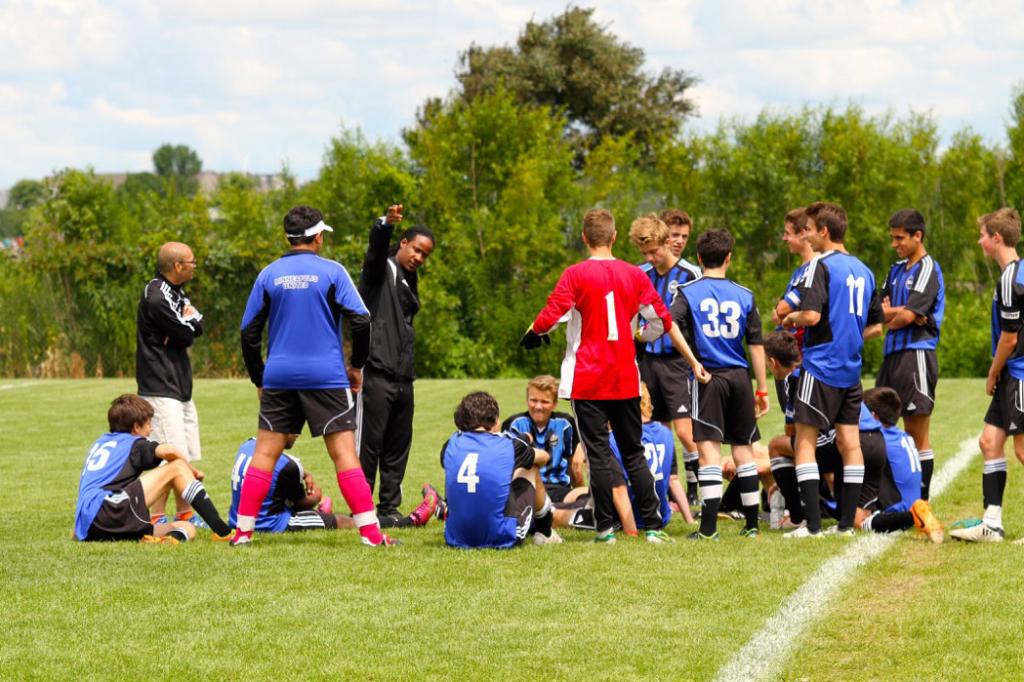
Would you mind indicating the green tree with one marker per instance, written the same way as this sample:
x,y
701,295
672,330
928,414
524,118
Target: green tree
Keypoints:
x,y
25,194
574,64
178,165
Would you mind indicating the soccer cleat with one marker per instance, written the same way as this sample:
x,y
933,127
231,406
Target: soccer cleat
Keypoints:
x,y
787,524
421,514
658,537
241,538
976,530
154,540
926,521
441,512
836,530
387,541
697,535
553,539
750,533
157,519
221,538
605,538
732,515
802,532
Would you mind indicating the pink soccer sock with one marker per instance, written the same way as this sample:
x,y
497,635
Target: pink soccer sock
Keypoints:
x,y
255,487
356,492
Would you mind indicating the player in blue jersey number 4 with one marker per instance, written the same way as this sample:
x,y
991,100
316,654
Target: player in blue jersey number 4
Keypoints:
x,y
492,481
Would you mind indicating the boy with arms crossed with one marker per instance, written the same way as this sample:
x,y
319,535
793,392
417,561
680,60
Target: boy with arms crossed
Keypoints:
x,y
716,315
913,305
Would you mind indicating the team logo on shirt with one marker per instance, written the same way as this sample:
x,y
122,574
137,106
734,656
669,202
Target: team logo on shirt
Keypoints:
x,y
553,441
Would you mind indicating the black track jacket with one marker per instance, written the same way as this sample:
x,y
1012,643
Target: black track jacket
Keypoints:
x,y
163,335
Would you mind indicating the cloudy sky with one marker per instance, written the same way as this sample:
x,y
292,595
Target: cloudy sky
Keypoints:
x,y
254,85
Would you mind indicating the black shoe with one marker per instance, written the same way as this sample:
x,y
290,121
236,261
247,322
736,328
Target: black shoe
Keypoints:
x,y
391,520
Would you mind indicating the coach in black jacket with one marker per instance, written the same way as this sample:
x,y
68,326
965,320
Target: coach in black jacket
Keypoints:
x,y
166,325
389,287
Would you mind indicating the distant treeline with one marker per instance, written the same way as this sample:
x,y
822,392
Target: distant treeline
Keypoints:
x,y
504,189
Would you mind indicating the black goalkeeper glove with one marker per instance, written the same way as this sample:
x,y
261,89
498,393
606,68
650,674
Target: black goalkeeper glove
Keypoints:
x,y
532,339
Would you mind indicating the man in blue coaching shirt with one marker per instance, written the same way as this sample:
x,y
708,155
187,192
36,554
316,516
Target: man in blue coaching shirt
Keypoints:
x,y
839,307
913,305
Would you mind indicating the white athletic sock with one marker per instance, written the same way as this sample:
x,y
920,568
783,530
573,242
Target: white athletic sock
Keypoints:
x,y
993,516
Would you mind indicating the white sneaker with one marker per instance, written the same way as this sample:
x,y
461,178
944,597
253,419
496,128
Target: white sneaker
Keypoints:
x,y
977,530
552,539
834,530
802,532
787,524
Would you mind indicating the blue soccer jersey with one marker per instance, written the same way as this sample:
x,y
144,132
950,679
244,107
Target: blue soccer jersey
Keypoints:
x,y
659,450
842,289
1007,305
478,469
716,314
302,297
921,289
113,462
905,465
286,486
668,286
792,293
558,438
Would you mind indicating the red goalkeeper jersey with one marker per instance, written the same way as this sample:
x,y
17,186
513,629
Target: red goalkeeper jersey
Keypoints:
x,y
600,300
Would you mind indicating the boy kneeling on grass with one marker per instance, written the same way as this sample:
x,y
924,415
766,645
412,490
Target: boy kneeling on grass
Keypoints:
x,y
122,477
495,495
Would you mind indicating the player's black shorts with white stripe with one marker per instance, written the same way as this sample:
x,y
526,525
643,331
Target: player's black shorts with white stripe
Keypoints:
x,y
326,410
557,491
312,519
1006,411
122,516
913,374
722,410
521,496
872,446
823,406
667,378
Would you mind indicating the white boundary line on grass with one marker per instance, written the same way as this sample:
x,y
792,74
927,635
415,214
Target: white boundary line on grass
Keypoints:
x,y
769,648
7,387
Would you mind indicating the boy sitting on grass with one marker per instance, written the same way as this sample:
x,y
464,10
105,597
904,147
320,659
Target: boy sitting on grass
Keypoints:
x,y
122,477
492,482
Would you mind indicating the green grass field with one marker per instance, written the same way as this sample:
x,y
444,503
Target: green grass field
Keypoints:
x,y
320,605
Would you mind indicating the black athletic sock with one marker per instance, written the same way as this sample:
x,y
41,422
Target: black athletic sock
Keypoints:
x,y
730,498
927,458
178,534
785,477
807,481
195,495
993,482
890,522
691,462
853,480
542,524
747,482
710,479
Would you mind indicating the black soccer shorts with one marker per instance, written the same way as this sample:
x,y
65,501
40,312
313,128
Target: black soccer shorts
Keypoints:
x,y
913,374
312,519
122,516
1006,411
520,501
823,406
722,410
667,378
326,410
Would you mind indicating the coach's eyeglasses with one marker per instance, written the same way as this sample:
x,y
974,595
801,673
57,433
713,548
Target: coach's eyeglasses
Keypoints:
x,y
194,263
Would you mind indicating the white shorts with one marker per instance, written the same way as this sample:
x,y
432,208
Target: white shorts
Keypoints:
x,y
177,423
